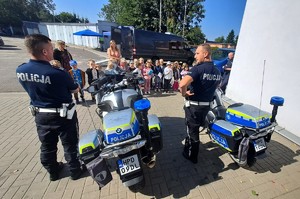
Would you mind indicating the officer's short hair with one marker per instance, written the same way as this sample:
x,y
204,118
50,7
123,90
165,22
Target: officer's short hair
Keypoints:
x,y
35,43
206,47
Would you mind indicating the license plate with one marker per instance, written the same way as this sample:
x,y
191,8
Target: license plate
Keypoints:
x,y
259,144
128,164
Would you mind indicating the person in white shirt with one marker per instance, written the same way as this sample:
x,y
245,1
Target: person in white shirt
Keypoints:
x,y
168,74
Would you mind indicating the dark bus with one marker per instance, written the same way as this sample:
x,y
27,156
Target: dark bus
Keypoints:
x,y
136,43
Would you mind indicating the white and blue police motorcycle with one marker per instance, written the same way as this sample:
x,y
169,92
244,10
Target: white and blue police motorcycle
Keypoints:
x,y
241,129
129,134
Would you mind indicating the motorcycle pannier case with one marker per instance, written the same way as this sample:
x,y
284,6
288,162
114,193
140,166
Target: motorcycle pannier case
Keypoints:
x,y
90,145
99,171
226,135
248,116
156,133
120,126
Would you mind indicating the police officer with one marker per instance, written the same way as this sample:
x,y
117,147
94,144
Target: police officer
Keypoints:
x,y
227,70
49,88
198,88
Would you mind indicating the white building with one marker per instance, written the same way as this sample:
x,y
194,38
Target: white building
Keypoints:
x,y
64,31
266,62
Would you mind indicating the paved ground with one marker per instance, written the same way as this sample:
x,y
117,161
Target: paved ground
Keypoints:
x,y
215,176
13,54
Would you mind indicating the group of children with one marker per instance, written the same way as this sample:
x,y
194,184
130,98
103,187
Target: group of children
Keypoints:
x,y
158,76
79,76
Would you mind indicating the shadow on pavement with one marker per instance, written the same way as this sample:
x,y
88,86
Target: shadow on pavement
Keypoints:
x,y
277,154
9,47
175,176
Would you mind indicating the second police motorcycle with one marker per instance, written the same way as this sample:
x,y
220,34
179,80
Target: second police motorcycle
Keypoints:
x,y
129,134
241,129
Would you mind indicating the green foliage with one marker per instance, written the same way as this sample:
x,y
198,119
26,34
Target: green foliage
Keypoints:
x,y
230,37
13,12
195,36
236,40
220,39
66,17
144,14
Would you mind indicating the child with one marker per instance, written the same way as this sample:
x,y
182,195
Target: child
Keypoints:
x,y
138,70
131,66
110,69
185,70
93,73
79,78
158,72
147,73
176,76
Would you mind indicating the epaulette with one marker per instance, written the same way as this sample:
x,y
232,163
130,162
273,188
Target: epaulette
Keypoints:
x,y
60,68
22,64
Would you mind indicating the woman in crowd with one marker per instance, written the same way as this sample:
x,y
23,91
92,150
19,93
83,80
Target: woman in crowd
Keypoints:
x,y
61,54
113,52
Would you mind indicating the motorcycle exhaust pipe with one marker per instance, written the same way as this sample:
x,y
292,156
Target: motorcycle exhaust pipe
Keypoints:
x,y
152,162
149,161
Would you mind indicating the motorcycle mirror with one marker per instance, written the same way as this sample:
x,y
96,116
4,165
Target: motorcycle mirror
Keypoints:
x,y
91,89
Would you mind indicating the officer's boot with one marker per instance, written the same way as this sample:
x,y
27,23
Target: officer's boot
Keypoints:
x,y
186,149
194,152
190,150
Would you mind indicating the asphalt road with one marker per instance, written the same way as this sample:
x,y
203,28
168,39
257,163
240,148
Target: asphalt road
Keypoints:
x,y
14,53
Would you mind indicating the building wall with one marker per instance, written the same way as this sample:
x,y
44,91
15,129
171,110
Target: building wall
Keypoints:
x,y
64,31
266,62
105,26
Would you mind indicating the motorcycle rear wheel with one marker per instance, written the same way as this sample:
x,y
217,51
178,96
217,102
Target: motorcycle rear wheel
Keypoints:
x,y
138,187
250,158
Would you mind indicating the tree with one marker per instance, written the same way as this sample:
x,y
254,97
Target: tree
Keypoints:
x,y
230,37
195,36
144,14
13,12
220,39
66,17
236,40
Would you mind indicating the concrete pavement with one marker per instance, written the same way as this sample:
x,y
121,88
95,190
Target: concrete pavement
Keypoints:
x,y
215,176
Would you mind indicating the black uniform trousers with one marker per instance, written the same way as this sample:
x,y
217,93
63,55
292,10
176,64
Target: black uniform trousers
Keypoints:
x,y
225,80
50,127
167,85
194,118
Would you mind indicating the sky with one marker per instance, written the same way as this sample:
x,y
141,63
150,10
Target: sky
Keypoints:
x,y
221,16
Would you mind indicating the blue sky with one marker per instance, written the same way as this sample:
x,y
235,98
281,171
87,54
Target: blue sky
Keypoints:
x,y
221,16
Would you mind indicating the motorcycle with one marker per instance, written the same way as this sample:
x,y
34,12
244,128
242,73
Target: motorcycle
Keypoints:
x,y
241,129
129,133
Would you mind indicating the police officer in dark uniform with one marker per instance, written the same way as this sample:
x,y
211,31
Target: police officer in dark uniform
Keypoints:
x,y
50,91
227,70
198,88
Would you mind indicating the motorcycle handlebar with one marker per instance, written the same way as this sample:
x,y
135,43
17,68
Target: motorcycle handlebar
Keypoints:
x,y
110,82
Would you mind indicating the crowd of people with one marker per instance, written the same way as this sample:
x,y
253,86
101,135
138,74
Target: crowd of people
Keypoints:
x,y
159,77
